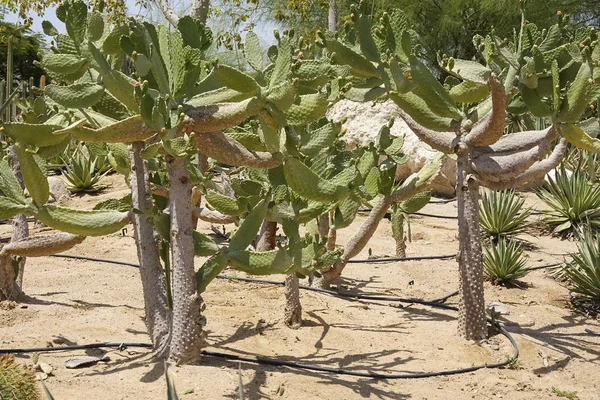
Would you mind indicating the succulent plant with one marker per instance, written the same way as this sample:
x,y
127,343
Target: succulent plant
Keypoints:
x,y
16,382
550,64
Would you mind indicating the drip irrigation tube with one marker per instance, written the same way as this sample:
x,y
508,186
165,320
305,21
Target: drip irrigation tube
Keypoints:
x,y
292,364
390,259
289,364
358,296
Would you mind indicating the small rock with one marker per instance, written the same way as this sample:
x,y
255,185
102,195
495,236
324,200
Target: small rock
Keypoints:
x,y
500,308
45,368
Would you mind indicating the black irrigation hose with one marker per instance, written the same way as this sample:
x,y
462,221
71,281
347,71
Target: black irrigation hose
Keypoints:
x,y
543,266
432,303
293,364
289,364
390,259
359,296
120,346
434,215
95,259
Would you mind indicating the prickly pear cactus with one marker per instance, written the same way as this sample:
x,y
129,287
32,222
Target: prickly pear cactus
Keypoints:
x,y
550,74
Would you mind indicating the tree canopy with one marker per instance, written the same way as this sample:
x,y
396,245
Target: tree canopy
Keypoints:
x,y
26,46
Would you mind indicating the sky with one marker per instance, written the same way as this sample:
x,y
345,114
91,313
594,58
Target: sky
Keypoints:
x,y
263,29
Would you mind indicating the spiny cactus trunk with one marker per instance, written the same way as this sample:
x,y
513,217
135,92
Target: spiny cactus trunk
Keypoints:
x,y
9,290
323,225
471,320
401,247
293,308
331,239
20,226
158,314
398,233
187,332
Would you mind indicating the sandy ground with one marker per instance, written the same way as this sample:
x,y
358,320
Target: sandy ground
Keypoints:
x,y
77,302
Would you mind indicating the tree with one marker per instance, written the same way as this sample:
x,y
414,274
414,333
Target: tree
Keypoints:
x,y
26,47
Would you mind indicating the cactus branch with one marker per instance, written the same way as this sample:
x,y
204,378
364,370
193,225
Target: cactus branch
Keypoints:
x,y
536,172
518,141
491,127
508,165
358,240
441,141
42,245
227,150
212,216
158,316
216,117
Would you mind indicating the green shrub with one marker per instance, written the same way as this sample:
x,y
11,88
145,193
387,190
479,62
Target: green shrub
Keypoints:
x,y
503,262
84,172
574,202
16,382
500,214
583,271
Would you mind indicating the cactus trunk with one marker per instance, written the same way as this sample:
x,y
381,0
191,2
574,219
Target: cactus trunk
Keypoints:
x,y
20,226
398,232
158,315
332,17
187,332
266,239
293,308
471,320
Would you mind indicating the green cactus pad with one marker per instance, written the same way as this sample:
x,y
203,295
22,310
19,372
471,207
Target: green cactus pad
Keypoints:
x,y
95,26
253,52
216,96
64,64
261,263
236,80
9,208
37,135
469,92
224,204
9,186
282,68
416,202
309,185
209,271
345,212
249,227
128,130
579,138
77,95
310,109
82,222
578,96
313,142
203,245
361,67
33,175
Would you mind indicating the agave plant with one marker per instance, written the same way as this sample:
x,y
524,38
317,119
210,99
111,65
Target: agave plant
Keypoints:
x,y
503,262
84,172
501,215
583,270
574,202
